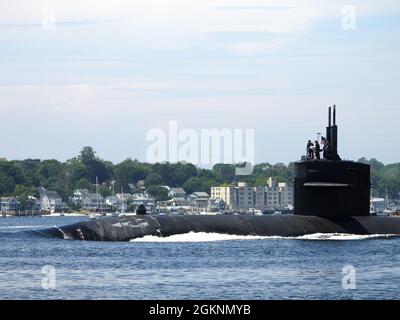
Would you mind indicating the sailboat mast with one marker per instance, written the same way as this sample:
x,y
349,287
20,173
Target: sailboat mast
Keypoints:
x,y
387,198
99,204
123,199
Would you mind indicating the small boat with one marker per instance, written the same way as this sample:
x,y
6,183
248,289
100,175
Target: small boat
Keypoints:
x,y
388,212
93,215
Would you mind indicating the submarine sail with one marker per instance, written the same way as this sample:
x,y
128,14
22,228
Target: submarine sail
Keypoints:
x,y
331,187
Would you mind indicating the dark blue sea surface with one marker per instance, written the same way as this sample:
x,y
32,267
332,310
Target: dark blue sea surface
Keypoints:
x,y
192,266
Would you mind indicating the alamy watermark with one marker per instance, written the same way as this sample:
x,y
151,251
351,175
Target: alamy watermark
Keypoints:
x,y
48,18
49,277
349,20
349,277
207,147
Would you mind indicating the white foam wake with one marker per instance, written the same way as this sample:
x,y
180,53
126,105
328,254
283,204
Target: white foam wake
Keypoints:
x,y
196,237
211,237
21,227
342,236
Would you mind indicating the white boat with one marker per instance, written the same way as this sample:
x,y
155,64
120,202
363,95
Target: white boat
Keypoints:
x,y
387,212
94,215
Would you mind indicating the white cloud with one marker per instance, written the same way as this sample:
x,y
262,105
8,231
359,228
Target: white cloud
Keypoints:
x,y
255,48
169,24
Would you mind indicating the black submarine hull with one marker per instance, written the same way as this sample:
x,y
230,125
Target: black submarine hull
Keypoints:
x,y
132,227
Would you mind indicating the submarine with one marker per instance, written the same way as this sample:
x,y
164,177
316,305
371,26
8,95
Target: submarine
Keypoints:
x,y
331,195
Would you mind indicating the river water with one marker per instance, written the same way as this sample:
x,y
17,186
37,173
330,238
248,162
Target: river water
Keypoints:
x,y
194,266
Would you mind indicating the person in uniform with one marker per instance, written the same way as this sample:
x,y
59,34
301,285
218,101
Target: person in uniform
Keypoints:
x,y
317,150
310,153
326,150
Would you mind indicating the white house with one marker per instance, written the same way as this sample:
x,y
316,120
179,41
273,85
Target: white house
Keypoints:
x,y
199,200
177,193
9,204
79,196
51,201
143,198
377,205
93,202
34,204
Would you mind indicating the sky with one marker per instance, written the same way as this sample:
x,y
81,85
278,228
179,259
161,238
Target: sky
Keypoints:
x,y
104,73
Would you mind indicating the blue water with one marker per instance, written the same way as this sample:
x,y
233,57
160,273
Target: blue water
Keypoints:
x,y
232,269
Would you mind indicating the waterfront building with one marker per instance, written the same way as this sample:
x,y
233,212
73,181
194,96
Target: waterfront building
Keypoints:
x,y
377,205
224,193
9,204
176,193
180,201
142,198
242,197
94,202
51,201
199,200
79,196
33,205
124,197
286,195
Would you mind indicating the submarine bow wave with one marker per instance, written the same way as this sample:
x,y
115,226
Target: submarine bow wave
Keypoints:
x,y
212,237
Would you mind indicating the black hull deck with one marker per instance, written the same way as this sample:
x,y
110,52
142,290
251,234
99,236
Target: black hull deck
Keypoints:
x,y
131,227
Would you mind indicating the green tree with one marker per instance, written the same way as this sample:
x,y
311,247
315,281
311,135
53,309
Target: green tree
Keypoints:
x,y
75,171
209,174
105,190
99,169
49,169
206,185
224,172
153,179
129,171
193,184
87,165
7,184
28,168
11,169
388,177
87,155
159,193
180,173
84,184
25,191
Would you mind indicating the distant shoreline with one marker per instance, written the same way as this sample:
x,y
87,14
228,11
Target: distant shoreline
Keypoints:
x,y
73,214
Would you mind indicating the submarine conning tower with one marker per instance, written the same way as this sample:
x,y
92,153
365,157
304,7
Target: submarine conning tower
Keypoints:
x,y
331,187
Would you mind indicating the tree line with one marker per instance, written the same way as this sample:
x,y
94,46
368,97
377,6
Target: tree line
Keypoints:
x,y
23,177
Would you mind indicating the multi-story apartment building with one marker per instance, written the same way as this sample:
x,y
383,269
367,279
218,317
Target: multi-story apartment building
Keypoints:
x,y
224,193
286,195
243,197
